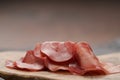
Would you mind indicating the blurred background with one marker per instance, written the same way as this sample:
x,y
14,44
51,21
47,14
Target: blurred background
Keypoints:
x,y
24,23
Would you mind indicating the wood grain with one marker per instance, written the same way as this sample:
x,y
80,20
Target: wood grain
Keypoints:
x,y
13,74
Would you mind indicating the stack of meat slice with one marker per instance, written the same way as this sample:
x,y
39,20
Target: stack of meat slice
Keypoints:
x,y
75,57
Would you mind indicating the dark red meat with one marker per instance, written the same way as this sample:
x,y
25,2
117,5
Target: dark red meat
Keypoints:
x,y
75,57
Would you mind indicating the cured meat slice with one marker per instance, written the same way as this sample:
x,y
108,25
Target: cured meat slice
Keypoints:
x,y
87,61
31,67
85,56
30,58
74,68
57,51
37,50
77,70
10,64
111,68
54,66
30,62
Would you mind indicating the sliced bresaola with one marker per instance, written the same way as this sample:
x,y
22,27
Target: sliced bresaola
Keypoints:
x,y
59,54
78,58
111,68
37,50
29,62
57,51
55,66
87,61
10,64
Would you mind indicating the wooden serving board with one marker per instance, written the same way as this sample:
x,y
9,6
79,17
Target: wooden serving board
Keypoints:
x,y
13,74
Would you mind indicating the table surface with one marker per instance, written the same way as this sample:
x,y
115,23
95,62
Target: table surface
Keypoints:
x,y
23,24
